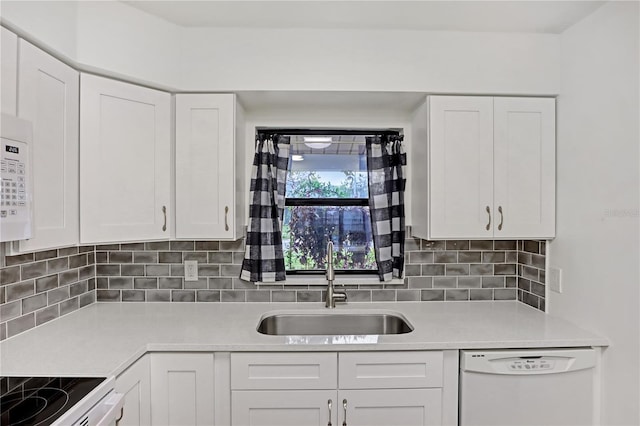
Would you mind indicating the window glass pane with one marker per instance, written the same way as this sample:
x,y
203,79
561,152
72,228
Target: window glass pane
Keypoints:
x,y
306,230
327,170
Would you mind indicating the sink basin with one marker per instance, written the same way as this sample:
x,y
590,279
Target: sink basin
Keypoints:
x,y
333,324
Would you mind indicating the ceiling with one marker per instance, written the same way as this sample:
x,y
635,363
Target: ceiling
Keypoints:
x,y
536,16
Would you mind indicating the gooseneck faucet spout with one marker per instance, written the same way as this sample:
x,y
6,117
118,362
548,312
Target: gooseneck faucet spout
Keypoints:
x,y
332,294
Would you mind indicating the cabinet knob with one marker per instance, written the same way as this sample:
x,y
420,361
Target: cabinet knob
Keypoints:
x,y
489,213
226,216
329,404
501,218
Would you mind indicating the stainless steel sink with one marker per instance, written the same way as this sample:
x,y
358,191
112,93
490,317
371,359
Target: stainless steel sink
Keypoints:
x,y
333,324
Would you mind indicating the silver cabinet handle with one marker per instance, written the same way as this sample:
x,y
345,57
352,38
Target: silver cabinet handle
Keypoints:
x,y
344,406
121,416
164,212
489,224
226,215
329,403
501,218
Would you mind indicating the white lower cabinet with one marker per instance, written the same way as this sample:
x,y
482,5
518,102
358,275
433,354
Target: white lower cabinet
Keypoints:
x,y
355,388
384,407
135,384
182,391
283,408
417,388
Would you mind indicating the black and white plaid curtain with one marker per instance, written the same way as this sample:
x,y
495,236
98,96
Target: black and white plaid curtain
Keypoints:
x,y
263,257
385,163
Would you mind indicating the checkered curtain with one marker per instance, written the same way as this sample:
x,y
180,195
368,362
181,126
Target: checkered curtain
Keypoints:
x,y
264,257
385,163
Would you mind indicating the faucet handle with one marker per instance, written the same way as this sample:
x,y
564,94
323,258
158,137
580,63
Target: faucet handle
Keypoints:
x,y
330,272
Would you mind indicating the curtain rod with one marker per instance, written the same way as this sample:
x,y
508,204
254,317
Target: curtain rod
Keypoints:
x,y
329,132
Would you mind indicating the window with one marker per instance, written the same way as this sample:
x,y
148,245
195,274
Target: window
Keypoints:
x,y
327,198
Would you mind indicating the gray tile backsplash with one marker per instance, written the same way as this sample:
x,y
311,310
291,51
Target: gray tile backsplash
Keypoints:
x,y
531,273
38,287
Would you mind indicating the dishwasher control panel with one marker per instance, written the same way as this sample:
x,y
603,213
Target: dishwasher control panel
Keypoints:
x,y
526,361
531,364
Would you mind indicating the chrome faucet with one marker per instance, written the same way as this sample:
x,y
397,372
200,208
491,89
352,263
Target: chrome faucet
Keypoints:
x,y
332,294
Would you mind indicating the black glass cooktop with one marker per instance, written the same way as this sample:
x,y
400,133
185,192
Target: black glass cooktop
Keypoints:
x,y
30,401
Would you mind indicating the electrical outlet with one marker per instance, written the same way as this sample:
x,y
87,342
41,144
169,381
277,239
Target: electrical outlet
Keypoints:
x,y
555,279
191,270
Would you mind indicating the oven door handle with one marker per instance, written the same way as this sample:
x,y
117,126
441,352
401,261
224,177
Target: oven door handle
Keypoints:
x,y
115,410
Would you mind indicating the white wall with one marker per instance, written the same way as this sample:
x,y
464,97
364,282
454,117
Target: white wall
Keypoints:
x,y
597,245
122,41
51,24
365,60
115,39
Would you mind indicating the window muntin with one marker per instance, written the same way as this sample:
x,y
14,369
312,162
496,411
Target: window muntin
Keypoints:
x,y
327,197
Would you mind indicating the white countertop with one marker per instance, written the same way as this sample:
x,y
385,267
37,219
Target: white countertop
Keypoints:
x,y
105,338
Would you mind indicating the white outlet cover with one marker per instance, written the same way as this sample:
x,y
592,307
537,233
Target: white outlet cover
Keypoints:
x,y
191,270
555,279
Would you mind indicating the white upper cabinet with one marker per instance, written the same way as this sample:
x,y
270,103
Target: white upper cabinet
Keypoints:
x,y
524,167
491,169
48,97
209,201
125,158
461,166
8,71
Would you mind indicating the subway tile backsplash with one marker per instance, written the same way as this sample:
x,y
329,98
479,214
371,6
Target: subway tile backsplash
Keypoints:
x,y
38,287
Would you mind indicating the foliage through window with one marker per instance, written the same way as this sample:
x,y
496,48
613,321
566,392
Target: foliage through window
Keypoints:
x,y
327,199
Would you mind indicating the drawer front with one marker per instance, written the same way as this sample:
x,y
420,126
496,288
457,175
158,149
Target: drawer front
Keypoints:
x,y
380,370
276,370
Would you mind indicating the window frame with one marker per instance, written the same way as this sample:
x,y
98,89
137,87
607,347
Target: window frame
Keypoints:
x,y
329,202
347,277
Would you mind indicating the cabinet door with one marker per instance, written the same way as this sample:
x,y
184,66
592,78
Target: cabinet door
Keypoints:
x,y
135,384
283,408
205,158
524,185
8,71
124,161
48,97
384,407
183,389
461,166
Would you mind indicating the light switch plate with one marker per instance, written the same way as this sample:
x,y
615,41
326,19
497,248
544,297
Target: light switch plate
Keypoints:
x,y
191,270
555,279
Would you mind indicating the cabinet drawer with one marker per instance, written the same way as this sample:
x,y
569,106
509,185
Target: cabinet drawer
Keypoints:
x,y
275,370
371,370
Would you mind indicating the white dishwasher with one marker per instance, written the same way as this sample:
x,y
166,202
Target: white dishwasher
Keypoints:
x,y
527,387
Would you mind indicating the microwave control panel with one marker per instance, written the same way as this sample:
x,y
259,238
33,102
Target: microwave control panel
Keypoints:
x,y
15,196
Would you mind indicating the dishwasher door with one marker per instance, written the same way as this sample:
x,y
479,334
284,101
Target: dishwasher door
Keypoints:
x,y
527,387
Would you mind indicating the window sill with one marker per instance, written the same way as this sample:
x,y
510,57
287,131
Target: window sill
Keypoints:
x,y
320,280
